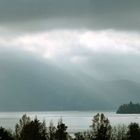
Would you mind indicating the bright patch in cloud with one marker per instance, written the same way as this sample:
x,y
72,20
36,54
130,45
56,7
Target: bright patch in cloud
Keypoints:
x,y
75,45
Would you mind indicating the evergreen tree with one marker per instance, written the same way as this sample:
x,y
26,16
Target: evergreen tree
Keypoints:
x,y
5,135
101,127
133,132
51,130
30,130
61,133
19,126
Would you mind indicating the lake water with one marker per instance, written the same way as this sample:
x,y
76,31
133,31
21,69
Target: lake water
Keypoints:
x,y
75,120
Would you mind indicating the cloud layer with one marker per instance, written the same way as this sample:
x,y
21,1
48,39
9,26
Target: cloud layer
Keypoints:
x,y
47,14
72,47
104,55
75,43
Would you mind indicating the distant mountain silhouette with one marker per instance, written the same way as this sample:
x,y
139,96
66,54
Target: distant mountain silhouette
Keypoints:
x,y
31,84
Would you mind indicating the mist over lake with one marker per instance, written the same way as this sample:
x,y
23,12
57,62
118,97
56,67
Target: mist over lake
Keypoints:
x,y
77,121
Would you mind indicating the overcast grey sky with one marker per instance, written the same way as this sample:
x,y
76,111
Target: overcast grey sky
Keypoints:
x,y
96,14
72,31
86,40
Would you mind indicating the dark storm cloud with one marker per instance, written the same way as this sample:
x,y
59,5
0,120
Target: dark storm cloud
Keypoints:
x,y
116,14
97,14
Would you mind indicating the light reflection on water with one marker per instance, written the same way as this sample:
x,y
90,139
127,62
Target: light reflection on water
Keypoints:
x,y
75,120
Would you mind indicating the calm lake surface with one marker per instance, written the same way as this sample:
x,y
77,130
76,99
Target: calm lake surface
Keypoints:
x,y
75,120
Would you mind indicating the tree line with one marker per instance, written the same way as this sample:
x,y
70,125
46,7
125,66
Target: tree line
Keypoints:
x,y
100,129
130,108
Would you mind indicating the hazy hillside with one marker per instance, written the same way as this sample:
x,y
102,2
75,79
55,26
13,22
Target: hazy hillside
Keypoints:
x,y
30,83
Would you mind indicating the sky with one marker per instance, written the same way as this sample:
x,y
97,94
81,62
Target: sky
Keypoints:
x,y
99,39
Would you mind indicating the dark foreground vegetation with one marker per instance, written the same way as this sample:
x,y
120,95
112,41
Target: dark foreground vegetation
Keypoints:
x,y
130,108
100,129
